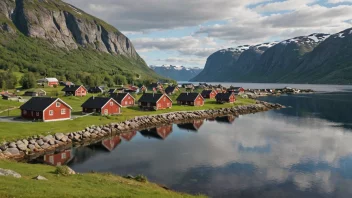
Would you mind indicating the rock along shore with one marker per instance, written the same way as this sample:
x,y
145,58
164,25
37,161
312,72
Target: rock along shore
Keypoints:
x,y
38,145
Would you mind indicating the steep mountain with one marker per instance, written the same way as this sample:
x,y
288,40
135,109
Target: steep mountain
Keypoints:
x,y
219,63
179,73
59,37
329,62
317,58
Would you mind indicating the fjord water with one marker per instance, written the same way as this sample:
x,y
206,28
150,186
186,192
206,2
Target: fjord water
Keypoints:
x,y
301,151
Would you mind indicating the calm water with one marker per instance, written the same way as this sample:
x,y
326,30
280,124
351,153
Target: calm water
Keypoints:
x,y
303,151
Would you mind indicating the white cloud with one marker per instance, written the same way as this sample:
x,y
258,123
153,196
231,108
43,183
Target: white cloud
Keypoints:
x,y
339,1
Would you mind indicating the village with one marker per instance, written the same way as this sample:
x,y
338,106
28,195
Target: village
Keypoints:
x,y
49,102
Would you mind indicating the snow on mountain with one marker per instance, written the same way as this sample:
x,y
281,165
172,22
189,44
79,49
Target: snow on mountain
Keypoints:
x,y
310,39
180,73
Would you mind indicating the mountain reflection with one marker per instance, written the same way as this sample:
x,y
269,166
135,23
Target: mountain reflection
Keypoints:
x,y
334,107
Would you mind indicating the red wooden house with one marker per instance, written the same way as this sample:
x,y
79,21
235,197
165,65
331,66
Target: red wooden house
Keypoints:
x,y
225,97
101,105
191,99
236,90
111,143
128,136
46,109
158,132
153,101
209,93
59,159
75,90
125,99
49,81
171,90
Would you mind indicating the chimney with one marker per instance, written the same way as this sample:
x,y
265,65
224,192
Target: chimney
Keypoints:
x,y
187,93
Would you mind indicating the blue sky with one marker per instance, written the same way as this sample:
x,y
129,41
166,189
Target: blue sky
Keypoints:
x,y
186,32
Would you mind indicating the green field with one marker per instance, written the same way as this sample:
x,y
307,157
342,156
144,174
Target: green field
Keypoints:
x,y
12,131
79,185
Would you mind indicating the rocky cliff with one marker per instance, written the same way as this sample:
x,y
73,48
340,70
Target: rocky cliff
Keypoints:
x,y
63,25
316,58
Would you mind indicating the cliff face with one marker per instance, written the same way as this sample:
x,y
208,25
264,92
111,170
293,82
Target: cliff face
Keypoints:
x,y
64,26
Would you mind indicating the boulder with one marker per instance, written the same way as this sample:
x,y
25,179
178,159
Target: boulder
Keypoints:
x,y
3,147
64,139
13,151
86,135
25,142
22,147
31,146
59,136
12,145
6,172
45,146
39,177
52,142
40,142
32,141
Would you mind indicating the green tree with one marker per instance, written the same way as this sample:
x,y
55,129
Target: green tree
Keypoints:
x,y
8,80
28,81
120,80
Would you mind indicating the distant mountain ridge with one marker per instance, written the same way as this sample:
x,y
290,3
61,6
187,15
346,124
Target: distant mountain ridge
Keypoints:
x,y
179,73
316,58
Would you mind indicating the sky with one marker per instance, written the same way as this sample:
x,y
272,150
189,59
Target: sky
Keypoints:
x,y
186,32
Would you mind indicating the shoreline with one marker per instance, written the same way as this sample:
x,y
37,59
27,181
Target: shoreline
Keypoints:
x,y
38,145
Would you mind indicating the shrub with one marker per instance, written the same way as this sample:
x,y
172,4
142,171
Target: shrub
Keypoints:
x,y
63,170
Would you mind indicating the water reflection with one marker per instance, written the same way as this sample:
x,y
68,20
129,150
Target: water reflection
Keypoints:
x,y
158,132
297,152
193,126
58,159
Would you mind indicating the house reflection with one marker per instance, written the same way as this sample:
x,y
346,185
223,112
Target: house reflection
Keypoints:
x,y
193,126
226,119
158,132
58,159
111,143
128,136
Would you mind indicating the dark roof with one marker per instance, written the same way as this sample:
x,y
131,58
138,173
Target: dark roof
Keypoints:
x,y
154,85
190,97
95,90
207,92
112,90
223,95
188,126
95,102
71,87
170,89
37,103
150,97
152,133
118,96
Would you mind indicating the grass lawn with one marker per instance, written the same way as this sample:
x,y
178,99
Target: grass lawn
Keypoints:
x,y
13,131
79,185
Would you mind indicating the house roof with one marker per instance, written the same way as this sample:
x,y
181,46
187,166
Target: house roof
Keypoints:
x,y
190,97
207,92
97,102
40,103
71,87
95,89
51,79
223,95
151,97
188,126
119,96
170,89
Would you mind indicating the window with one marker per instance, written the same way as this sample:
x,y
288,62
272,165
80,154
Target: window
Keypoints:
x,y
106,111
24,112
63,156
148,104
126,103
51,112
51,159
111,104
37,113
168,104
58,104
63,111
164,99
